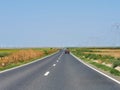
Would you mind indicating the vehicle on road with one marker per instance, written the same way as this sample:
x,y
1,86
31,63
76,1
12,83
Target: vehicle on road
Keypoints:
x,y
67,51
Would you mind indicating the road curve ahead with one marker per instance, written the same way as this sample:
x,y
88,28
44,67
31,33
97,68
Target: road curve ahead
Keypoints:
x,y
58,72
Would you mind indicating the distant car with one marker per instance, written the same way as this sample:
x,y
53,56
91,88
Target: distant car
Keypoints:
x,y
67,51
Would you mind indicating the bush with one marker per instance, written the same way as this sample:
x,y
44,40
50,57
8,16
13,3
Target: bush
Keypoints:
x,y
116,63
115,72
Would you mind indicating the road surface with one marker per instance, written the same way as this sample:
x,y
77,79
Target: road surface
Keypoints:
x,y
57,72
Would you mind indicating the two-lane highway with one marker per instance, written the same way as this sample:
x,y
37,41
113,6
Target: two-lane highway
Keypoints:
x,y
58,72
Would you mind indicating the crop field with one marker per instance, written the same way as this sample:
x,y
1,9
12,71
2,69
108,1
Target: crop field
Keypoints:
x,y
5,52
110,52
13,57
105,58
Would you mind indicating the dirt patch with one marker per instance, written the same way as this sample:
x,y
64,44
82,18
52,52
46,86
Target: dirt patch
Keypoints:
x,y
118,68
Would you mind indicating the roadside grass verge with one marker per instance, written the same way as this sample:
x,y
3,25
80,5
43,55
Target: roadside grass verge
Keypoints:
x,y
106,68
17,57
18,64
98,60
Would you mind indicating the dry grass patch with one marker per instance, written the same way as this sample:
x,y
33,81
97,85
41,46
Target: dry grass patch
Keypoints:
x,y
110,52
21,56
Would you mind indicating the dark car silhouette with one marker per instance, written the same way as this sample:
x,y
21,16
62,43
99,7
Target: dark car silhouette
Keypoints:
x,y
67,51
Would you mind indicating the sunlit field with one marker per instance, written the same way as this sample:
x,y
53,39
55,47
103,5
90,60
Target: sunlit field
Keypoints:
x,y
14,57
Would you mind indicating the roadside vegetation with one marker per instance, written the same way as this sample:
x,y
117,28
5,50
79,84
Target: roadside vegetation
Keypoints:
x,y
13,57
107,59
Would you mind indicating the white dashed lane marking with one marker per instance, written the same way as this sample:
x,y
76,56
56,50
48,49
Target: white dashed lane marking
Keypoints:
x,y
54,65
47,73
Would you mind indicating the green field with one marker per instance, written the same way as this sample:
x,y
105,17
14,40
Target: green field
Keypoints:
x,y
6,52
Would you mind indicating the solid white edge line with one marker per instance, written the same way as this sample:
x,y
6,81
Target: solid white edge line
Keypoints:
x,y
47,73
28,63
95,69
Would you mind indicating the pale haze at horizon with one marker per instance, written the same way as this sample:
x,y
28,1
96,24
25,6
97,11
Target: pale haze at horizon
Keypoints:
x,y
41,23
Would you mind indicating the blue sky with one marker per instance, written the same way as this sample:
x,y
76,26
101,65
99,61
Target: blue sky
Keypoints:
x,y
31,23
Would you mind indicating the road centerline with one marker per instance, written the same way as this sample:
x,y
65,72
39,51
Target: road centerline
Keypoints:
x,y
54,65
47,73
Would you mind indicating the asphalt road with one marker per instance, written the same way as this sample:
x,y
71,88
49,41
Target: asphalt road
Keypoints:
x,y
58,72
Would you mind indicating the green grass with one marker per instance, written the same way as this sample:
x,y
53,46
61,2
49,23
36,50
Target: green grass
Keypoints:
x,y
5,52
105,68
115,72
8,50
116,63
79,52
